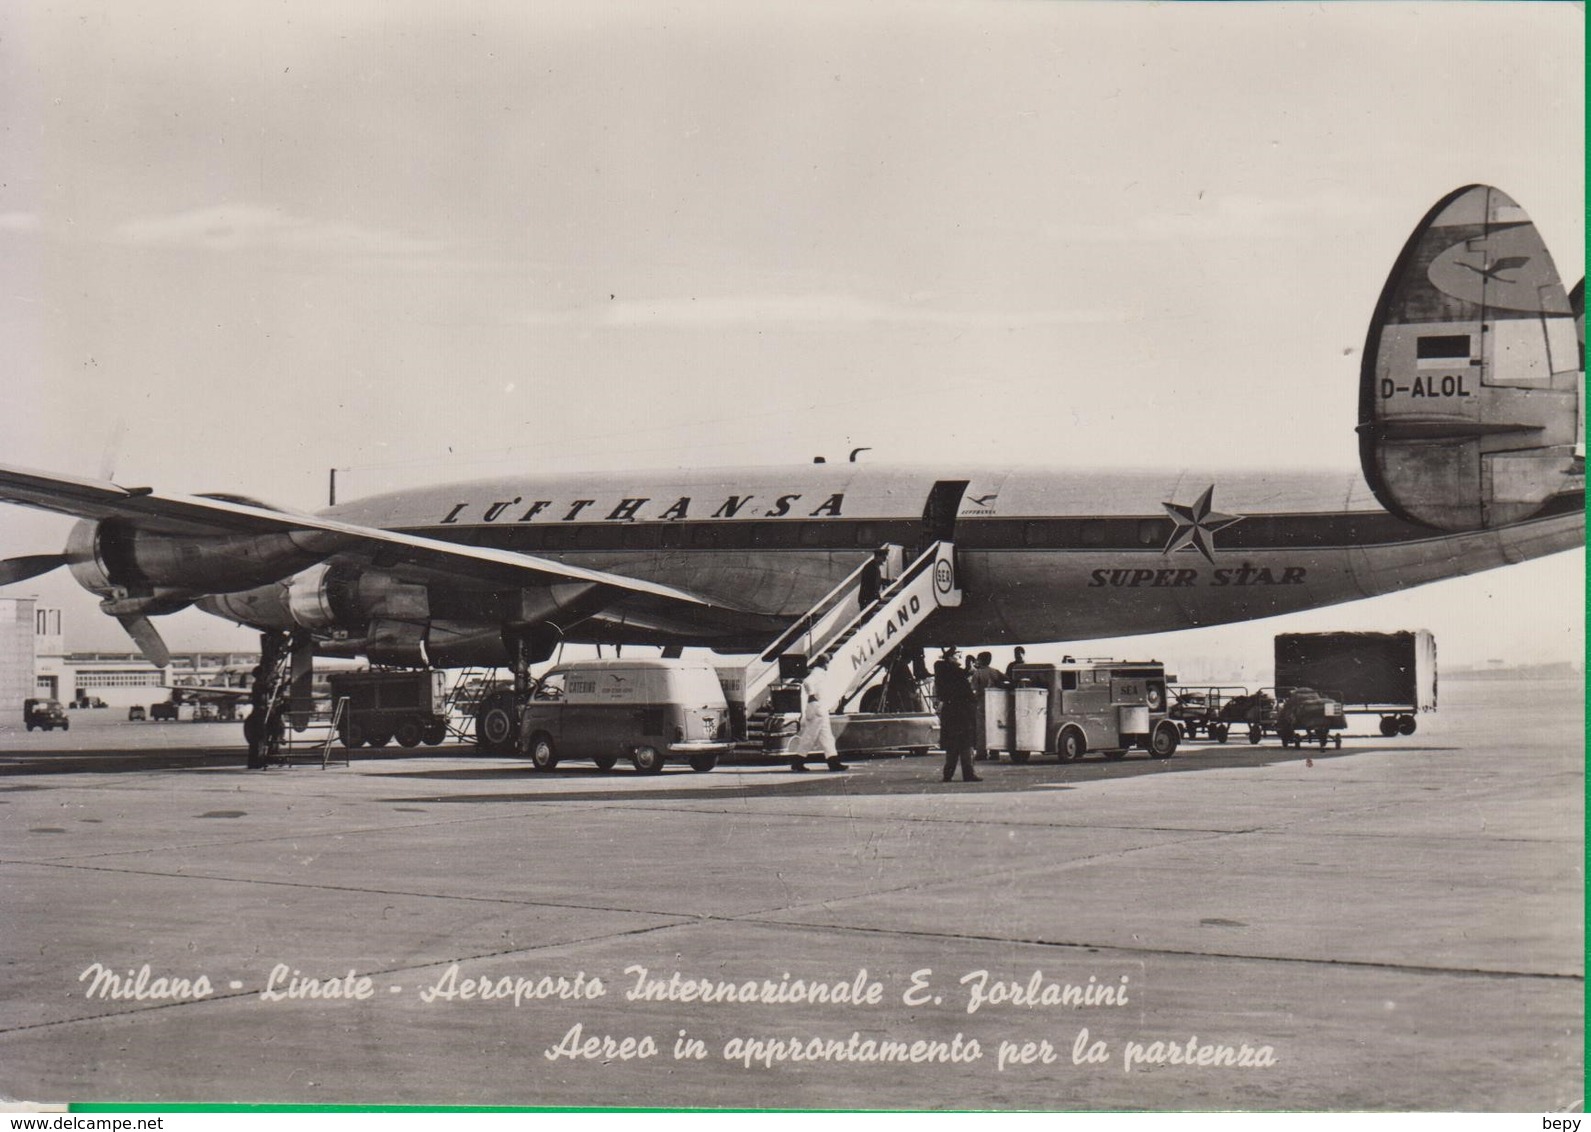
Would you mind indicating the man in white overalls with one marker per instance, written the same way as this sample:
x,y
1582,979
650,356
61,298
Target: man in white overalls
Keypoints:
x,y
817,733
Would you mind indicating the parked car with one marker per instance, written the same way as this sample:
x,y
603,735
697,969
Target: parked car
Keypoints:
x,y
135,714
48,714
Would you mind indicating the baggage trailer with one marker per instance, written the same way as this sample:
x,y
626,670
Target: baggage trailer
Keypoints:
x,y
1106,706
1392,675
1205,709
407,705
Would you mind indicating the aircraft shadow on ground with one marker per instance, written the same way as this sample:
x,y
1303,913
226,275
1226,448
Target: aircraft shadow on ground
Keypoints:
x,y
770,782
1040,773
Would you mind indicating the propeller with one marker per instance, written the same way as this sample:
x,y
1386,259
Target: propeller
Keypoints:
x,y
28,566
146,637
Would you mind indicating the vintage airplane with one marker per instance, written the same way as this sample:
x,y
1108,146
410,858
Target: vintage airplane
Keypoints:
x,y
1470,434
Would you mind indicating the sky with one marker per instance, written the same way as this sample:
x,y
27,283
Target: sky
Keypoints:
x,y
243,244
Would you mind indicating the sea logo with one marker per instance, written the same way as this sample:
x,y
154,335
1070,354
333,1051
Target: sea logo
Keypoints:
x,y
944,576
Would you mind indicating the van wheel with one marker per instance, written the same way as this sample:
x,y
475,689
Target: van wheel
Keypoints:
x,y
349,731
1070,745
543,756
433,734
703,763
379,738
648,760
605,762
1163,743
408,733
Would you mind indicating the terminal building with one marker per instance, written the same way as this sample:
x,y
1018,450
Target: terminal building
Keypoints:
x,y
34,663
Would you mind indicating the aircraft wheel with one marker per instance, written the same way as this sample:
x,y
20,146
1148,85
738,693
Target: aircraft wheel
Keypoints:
x,y
1163,743
349,731
495,726
379,738
1019,756
704,763
1070,745
408,733
543,756
605,762
1406,725
1255,733
434,733
648,760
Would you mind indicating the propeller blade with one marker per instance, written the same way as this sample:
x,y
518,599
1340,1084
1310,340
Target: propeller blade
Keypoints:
x,y
147,638
28,566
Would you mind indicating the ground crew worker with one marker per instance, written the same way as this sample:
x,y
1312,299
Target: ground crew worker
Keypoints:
x,y
816,733
984,677
954,693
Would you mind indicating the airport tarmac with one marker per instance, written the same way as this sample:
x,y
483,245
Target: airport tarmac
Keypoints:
x,y
1395,925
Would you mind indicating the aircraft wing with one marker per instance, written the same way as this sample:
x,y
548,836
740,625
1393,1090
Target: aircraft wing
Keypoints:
x,y
199,515
209,691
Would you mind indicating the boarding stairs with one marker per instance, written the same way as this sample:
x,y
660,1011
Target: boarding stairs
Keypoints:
x,y
470,687
850,639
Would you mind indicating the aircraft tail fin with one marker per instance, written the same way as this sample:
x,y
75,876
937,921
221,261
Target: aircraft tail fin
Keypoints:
x,y
1470,409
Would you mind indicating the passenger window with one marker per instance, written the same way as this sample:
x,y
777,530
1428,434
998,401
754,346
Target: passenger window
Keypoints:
x,y
811,534
550,688
866,534
1093,533
1033,534
558,538
1068,681
1149,531
706,535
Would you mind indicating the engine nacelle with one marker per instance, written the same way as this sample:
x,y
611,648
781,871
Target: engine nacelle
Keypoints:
x,y
324,598
115,559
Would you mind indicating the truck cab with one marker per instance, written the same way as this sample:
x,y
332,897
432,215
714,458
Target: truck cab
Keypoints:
x,y
647,710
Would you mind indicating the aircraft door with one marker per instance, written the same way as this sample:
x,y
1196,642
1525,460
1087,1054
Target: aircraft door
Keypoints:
x,y
939,513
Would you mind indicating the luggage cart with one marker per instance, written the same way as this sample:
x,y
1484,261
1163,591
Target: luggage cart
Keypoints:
x,y
1198,709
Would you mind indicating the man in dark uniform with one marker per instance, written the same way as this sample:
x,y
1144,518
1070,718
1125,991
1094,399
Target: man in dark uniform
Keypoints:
x,y
954,693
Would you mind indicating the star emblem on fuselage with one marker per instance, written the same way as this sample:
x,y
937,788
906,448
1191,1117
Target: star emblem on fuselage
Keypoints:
x,y
1196,525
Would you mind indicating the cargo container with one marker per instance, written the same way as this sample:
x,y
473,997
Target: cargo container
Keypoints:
x,y
1392,675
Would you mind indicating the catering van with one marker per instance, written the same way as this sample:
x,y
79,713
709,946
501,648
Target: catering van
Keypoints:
x,y
648,711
